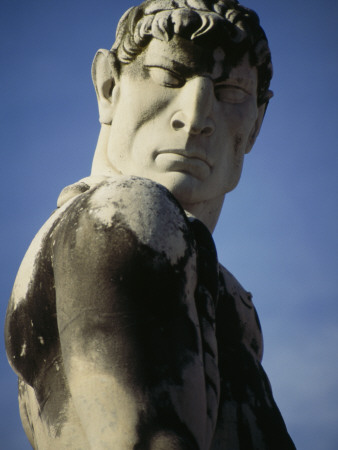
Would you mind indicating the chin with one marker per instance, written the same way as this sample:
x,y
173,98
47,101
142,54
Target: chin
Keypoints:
x,y
185,188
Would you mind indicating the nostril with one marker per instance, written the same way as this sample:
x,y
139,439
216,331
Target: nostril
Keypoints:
x,y
177,124
207,131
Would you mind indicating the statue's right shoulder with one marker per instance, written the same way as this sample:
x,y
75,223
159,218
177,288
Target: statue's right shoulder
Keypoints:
x,y
146,208
102,218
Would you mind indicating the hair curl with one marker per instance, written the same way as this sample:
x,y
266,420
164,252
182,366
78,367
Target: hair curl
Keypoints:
x,y
219,22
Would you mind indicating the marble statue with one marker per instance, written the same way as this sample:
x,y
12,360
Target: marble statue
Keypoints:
x,y
124,329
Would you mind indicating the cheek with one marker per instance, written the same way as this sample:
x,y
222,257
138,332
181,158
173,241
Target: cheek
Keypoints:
x,y
244,130
237,145
241,116
239,150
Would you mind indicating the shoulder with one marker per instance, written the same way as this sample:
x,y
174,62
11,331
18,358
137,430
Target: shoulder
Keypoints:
x,y
110,222
138,207
238,303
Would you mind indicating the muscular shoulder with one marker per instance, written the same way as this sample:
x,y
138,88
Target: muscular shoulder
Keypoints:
x,y
139,207
239,310
103,223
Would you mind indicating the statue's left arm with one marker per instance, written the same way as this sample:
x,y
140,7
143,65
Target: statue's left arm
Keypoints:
x,y
248,416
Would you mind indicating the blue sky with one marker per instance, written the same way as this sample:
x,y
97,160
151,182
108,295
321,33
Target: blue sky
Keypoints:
x,y
278,232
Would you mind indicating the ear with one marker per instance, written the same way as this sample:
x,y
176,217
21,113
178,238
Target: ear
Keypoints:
x,y
257,126
105,77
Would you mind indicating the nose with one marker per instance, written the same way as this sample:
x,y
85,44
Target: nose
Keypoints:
x,y
195,107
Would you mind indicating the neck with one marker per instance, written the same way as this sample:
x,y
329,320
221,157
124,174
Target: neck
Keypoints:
x,y
101,165
207,211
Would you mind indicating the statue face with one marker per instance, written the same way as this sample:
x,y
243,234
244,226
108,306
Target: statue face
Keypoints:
x,y
179,120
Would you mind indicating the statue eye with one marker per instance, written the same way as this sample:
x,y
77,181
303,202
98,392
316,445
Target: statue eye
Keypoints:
x,y
165,77
230,94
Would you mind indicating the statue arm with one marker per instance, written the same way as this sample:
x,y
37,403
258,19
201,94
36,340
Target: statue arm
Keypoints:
x,y
127,319
246,328
248,416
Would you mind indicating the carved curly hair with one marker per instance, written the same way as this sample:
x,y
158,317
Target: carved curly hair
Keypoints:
x,y
224,23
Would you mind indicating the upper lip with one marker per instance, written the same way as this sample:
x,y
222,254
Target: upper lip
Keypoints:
x,y
186,154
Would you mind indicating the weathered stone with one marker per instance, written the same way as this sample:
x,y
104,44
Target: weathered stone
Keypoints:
x,y
124,329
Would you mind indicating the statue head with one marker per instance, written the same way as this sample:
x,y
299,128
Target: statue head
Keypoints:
x,y
223,23
182,94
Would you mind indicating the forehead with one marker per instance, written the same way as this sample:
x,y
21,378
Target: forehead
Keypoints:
x,y
190,59
180,52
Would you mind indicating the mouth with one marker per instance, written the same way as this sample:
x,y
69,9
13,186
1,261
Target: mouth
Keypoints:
x,y
193,155
179,160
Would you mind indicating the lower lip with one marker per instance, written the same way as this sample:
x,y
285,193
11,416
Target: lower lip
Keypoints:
x,y
175,162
